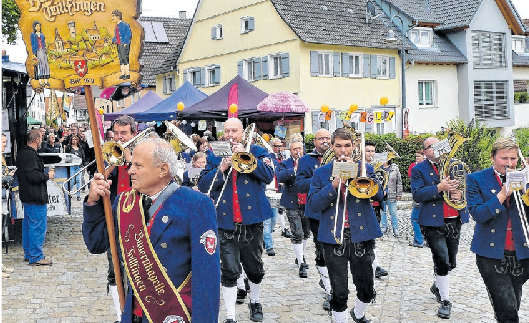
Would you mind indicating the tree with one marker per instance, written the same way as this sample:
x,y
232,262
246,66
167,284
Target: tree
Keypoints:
x,y
10,16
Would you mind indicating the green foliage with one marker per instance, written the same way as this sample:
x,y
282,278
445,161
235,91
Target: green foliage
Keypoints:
x,y
103,33
309,142
521,97
522,138
10,17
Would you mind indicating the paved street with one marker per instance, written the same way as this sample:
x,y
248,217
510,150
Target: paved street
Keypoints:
x,y
74,288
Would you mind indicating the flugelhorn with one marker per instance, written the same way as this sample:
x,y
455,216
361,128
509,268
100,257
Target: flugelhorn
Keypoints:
x,y
363,186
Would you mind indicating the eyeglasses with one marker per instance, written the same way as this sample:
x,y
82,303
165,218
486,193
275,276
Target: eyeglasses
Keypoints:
x,y
277,145
426,148
324,138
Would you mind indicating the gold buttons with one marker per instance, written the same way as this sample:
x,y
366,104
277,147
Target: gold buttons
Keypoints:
x,y
164,269
359,214
223,201
493,230
330,194
361,227
332,217
249,207
433,204
332,204
525,244
291,201
245,181
434,215
357,200
223,213
163,245
332,231
247,194
165,219
497,211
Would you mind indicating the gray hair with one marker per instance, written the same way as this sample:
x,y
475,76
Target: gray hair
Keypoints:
x,y
274,140
125,120
163,153
295,139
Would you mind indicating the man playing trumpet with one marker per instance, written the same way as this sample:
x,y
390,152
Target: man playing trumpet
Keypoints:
x,y
360,231
500,245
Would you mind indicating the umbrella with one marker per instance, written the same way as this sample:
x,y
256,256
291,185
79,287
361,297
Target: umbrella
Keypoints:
x,y
283,102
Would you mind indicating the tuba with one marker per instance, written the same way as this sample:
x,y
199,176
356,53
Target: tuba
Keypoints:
x,y
454,169
363,186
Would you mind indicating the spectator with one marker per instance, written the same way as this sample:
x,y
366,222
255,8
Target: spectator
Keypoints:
x,y
393,194
199,161
75,148
51,146
418,239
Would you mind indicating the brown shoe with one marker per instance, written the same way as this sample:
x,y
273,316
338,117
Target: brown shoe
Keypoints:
x,y
42,262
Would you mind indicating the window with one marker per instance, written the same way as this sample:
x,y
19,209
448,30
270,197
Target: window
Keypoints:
x,y
382,66
325,63
216,32
490,100
421,37
247,24
488,49
249,69
426,93
355,65
518,44
212,75
275,66
169,85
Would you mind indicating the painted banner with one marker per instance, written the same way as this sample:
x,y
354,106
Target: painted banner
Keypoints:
x,y
72,43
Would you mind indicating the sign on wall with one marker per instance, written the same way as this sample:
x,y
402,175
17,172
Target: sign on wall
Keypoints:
x,y
72,43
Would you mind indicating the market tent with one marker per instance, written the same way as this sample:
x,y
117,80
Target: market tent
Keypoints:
x,y
33,121
216,105
166,110
149,100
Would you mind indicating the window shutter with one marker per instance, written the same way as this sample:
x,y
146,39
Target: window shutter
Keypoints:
x,y
336,64
392,67
313,63
366,65
374,66
185,75
257,68
239,68
285,65
264,59
202,76
164,84
217,74
345,64
214,33
251,24
173,82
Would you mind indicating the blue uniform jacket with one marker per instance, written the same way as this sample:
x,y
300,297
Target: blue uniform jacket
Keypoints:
x,y
306,166
186,181
125,33
254,205
362,219
276,161
287,176
491,217
177,245
424,182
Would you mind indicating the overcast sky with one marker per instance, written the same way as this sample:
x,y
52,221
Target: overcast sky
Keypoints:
x,y
164,8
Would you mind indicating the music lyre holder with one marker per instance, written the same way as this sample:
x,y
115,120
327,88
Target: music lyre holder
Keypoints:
x,y
344,170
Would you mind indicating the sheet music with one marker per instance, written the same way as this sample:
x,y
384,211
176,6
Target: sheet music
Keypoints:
x,y
515,180
440,148
344,170
380,158
194,173
221,148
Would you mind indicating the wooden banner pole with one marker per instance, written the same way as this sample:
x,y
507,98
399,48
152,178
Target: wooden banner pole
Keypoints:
x,y
106,199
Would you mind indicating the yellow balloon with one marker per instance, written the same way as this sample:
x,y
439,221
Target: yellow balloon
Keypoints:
x,y
325,108
353,107
233,108
266,137
101,110
384,100
180,106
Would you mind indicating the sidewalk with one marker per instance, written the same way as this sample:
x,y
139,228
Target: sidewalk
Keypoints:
x,y
74,288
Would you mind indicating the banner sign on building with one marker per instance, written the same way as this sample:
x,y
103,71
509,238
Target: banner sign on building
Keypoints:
x,y
72,43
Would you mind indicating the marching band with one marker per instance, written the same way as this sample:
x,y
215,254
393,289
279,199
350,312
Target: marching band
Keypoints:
x,y
327,193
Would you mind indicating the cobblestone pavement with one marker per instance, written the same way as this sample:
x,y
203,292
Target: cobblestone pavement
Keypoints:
x,y
74,288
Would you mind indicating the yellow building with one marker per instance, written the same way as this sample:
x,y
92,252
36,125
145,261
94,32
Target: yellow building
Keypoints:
x,y
324,51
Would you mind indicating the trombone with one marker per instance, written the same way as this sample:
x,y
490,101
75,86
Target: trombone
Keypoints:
x,y
363,187
516,187
342,177
113,154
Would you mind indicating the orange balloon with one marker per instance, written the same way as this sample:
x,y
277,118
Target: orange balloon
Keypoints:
x,y
353,107
180,106
384,100
233,108
266,137
101,110
325,108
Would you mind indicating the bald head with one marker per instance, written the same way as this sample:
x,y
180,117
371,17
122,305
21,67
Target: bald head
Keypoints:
x,y
233,130
428,150
322,140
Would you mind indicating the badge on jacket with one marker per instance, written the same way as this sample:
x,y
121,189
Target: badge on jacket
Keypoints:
x,y
209,240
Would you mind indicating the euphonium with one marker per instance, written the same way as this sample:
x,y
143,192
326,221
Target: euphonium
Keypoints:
x,y
454,169
363,186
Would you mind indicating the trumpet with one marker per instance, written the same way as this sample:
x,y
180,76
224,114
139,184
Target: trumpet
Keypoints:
x,y
113,154
516,187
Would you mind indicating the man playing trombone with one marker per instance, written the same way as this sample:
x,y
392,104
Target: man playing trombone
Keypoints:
x,y
358,229
242,206
500,243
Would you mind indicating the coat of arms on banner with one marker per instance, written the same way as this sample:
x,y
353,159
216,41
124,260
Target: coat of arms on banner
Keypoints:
x,y
81,68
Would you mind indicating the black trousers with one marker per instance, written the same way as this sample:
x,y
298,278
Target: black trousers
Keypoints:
x,y
444,244
244,245
314,227
299,226
504,279
360,256
111,276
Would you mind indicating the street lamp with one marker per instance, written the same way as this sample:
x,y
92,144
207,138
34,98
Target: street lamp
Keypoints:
x,y
392,39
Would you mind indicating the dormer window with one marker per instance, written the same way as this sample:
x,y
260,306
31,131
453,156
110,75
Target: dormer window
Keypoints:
x,y
421,37
247,24
518,44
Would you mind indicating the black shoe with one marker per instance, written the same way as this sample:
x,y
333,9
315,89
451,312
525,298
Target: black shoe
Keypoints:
x,y
444,309
241,295
229,321
379,272
285,233
122,77
303,271
327,303
256,312
435,291
416,245
304,261
360,320
246,284
322,285
270,252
